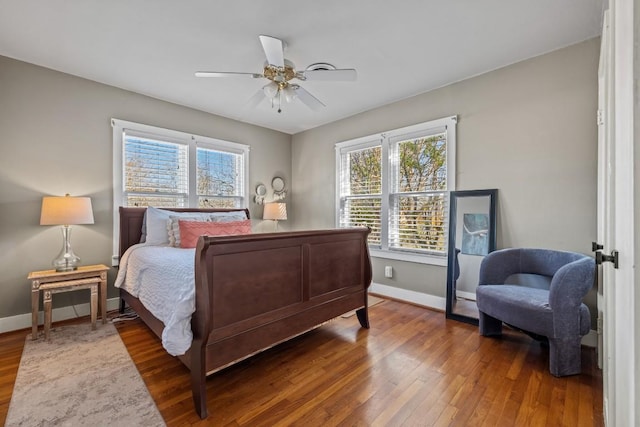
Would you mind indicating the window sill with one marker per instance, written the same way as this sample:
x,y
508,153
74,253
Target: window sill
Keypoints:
x,y
409,257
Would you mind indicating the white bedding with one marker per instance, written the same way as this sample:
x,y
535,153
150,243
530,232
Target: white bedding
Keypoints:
x,y
165,288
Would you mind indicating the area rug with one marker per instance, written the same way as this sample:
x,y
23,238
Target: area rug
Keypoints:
x,y
78,378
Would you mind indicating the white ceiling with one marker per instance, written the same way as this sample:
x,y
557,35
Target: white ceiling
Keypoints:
x,y
400,48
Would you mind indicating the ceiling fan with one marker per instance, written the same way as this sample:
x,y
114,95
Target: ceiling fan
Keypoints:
x,y
281,72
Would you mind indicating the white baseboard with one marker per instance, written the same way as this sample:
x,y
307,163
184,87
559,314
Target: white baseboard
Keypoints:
x,y
439,303
23,321
469,296
591,339
412,297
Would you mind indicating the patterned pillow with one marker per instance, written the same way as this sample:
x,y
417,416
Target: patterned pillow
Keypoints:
x,y
174,229
191,230
156,224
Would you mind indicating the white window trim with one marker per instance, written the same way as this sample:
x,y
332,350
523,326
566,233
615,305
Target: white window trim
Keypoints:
x,y
384,139
191,140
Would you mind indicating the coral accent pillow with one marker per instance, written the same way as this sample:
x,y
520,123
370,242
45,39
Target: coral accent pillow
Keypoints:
x,y
174,228
191,230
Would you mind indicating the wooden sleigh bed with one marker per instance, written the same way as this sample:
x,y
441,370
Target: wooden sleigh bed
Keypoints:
x,y
255,291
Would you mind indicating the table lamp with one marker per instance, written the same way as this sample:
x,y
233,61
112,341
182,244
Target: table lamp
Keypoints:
x,y
66,211
275,211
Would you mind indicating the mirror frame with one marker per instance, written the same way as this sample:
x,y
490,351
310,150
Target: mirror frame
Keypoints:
x,y
451,259
261,190
278,184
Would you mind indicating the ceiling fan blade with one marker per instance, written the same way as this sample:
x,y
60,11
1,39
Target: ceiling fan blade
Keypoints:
x,y
273,50
226,74
256,98
307,99
344,75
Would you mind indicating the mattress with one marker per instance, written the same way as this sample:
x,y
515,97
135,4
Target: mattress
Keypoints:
x,y
162,278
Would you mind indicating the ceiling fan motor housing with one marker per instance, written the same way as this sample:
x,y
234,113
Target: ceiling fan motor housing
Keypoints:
x,y
280,74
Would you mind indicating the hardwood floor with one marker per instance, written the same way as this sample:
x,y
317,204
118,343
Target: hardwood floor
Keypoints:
x,y
413,368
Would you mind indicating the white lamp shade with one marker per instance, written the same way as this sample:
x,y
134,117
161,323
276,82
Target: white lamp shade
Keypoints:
x,y
66,210
271,90
290,94
275,211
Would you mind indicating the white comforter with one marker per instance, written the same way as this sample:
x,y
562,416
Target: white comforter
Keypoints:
x,y
162,277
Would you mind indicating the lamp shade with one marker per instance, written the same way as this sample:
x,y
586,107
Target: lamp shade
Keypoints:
x,y
275,211
271,90
290,94
66,210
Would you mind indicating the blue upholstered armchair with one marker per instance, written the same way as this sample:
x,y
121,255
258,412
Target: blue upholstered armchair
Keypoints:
x,y
538,291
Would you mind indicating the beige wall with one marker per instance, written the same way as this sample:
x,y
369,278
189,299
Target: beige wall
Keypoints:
x,y
56,138
528,130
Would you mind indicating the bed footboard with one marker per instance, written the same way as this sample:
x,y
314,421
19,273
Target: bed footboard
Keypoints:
x,y
254,291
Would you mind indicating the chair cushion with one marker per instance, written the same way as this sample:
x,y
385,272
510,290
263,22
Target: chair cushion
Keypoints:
x,y
524,308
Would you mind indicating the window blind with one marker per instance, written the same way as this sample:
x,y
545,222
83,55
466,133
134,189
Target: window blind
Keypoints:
x,y
156,172
219,178
361,190
418,207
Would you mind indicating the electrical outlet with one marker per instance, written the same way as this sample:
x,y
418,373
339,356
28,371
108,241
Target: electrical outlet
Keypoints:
x,y
388,271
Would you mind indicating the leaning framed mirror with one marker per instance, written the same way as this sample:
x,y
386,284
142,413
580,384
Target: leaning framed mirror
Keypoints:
x,y
472,235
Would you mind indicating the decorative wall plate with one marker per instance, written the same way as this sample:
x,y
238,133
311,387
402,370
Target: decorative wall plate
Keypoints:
x,y
261,192
277,184
279,190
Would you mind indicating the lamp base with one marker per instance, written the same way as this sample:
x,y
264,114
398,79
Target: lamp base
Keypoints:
x,y
66,259
66,268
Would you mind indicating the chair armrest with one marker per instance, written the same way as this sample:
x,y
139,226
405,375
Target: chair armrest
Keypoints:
x,y
571,283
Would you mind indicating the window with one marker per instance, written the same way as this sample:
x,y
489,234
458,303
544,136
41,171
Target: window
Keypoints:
x,y
361,189
156,172
164,168
397,184
219,178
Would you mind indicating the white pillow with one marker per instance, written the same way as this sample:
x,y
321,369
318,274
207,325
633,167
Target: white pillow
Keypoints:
x,y
157,220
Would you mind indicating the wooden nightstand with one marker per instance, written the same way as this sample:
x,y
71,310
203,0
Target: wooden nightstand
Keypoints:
x,y
52,282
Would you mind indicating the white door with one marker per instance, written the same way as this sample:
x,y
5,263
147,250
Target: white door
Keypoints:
x,y
616,223
605,170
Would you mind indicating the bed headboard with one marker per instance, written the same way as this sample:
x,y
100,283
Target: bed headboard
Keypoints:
x,y
131,222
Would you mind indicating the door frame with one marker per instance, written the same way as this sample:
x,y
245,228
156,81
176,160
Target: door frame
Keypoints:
x,y
620,322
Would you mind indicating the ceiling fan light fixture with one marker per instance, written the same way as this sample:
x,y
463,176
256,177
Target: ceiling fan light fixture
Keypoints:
x,y
290,94
271,90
